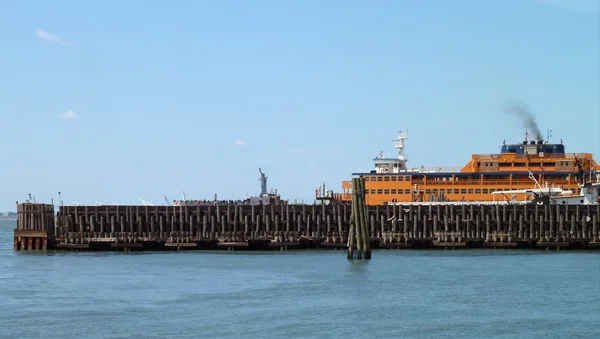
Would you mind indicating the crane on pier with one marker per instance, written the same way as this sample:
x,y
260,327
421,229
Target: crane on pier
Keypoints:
x,y
146,203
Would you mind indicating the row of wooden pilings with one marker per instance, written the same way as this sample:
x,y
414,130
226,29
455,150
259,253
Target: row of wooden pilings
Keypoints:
x,y
301,226
35,227
359,242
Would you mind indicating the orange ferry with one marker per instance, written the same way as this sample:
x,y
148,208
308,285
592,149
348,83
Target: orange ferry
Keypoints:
x,y
516,167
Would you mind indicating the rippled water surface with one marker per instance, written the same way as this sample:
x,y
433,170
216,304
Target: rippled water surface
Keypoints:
x,y
403,293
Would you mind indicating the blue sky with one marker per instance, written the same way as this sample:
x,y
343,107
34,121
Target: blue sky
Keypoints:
x,y
113,100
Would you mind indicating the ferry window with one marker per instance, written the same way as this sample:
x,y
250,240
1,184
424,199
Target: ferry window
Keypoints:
x,y
463,191
435,191
491,190
379,191
386,178
400,192
367,178
393,191
366,191
386,191
456,191
477,191
485,191
400,178
470,191
372,191
428,191
407,191
407,178
394,178
379,178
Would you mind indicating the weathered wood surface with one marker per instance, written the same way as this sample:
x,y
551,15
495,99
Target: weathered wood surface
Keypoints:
x,y
402,226
35,227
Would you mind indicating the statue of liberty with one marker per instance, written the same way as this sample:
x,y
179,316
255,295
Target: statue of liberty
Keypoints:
x,y
263,183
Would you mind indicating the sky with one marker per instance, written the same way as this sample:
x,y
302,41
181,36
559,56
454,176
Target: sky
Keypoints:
x,y
116,100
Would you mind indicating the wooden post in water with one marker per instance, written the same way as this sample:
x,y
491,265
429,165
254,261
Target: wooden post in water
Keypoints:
x,y
359,241
35,227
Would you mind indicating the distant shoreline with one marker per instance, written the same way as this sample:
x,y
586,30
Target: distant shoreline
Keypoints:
x,y
8,219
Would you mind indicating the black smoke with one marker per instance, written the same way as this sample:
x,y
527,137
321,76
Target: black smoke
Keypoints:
x,y
522,110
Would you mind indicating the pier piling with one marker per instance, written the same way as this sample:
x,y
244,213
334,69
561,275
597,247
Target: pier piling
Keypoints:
x,y
35,227
359,242
355,227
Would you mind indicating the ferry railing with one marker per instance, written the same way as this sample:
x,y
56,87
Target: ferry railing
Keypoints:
x,y
441,169
434,182
343,196
487,156
487,182
555,156
523,155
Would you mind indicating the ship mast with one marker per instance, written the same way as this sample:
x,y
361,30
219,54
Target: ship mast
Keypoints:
x,y
399,144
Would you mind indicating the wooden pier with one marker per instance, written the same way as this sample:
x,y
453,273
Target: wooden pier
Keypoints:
x,y
35,227
283,227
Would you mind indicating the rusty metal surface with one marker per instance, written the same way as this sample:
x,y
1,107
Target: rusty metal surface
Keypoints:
x,y
30,233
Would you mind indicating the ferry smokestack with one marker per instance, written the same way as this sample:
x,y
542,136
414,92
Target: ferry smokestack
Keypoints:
x,y
522,110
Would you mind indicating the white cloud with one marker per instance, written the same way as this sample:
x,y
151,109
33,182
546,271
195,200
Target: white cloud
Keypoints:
x,y
68,115
49,37
239,142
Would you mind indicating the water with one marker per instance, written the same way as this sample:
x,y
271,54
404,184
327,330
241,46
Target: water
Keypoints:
x,y
404,293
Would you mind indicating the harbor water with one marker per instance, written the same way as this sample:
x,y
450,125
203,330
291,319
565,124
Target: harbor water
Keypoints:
x,y
298,294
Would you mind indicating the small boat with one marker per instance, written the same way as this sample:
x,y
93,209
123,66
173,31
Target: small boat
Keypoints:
x,y
589,194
